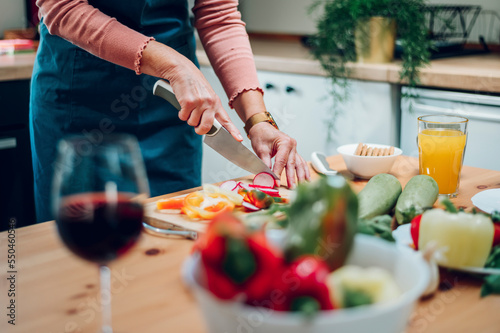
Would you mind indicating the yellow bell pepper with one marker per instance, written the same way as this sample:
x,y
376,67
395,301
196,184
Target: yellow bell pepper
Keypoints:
x,y
462,239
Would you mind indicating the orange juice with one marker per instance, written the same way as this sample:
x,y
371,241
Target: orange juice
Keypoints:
x,y
440,156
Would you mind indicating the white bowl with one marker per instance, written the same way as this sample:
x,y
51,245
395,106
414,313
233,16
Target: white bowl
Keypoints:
x,y
367,166
409,270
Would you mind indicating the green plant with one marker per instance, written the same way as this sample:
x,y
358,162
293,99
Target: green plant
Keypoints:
x,y
333,43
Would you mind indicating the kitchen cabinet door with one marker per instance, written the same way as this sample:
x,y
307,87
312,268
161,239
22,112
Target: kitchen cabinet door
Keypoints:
x,y
301,106
16,175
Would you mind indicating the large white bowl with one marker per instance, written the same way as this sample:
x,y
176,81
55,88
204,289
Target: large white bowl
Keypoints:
x,y
407,267
367,166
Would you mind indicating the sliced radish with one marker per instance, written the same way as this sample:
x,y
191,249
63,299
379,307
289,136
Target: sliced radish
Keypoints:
x,y
260,186
229,185
244,186
264,179
272,192
249,206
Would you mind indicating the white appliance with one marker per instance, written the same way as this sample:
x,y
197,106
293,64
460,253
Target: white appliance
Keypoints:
x,y
483,112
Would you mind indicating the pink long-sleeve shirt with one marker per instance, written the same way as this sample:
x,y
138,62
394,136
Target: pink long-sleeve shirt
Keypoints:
x,y
219,25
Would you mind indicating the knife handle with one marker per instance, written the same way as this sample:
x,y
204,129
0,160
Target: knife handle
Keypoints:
x,y
320,164
164,90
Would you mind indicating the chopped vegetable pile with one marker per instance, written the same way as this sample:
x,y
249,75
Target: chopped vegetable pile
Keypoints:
x,y
214,200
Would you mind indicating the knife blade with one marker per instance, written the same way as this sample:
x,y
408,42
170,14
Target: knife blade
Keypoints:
x,y
218,138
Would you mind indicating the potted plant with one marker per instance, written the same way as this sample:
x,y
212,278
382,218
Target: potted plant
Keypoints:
x,y
344,28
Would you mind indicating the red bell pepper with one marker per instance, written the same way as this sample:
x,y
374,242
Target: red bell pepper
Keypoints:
x,y
235,260
496,236
495,217
415,230
301,286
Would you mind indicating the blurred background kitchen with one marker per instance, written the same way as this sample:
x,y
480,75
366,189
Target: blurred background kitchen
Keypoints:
x,y
464,77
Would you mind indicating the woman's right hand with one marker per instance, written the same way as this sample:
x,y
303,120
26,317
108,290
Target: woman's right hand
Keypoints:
x,y
199,103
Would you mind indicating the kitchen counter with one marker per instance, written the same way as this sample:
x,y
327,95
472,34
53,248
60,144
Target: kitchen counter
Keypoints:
x,y
16,67
57,292
473,73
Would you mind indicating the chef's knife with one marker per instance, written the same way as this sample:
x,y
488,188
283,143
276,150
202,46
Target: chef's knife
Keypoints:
x,y
218,138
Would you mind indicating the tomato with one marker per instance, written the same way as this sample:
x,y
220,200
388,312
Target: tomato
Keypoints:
x,y
415,230
206,205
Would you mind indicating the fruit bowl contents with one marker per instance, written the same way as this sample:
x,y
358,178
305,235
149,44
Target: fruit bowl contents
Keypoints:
x,y
366,166
320,278
409,274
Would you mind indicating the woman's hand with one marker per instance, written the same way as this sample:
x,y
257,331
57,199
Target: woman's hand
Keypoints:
x,y
268,142
199,103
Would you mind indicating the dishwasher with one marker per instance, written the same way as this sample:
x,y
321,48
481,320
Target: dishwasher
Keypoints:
x,y
483,111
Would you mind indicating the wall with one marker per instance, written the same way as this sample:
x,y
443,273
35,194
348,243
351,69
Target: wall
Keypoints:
x,y
291,17
12,15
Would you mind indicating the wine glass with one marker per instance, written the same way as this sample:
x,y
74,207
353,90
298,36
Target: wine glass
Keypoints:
x,y
98,190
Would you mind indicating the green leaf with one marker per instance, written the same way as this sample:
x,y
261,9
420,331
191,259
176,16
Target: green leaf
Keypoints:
x,y
449,206
491,285
410,213
493,260
495,216
378,226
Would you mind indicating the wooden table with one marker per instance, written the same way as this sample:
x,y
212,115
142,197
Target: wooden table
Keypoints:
x,y
57,292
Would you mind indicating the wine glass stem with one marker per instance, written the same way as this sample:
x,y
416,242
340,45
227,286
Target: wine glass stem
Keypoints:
x,y
105,274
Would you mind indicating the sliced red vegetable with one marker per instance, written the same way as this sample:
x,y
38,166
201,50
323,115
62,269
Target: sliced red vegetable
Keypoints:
x,y
237,261
229,185
496,236
264,179
244,186
260,186
249,206
272,192
415,230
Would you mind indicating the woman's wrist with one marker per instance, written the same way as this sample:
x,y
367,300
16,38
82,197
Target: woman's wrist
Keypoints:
x,y
158,59
248,104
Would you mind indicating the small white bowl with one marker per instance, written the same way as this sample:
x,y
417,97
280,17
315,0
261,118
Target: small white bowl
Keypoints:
x,y
366,167
409,270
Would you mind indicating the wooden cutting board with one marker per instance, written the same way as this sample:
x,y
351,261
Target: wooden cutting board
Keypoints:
x,y
171,220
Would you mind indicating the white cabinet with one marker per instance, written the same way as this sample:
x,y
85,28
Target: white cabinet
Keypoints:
x,y
300,105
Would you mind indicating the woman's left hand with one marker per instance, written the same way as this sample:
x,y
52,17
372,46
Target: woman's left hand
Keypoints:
x,y
268,142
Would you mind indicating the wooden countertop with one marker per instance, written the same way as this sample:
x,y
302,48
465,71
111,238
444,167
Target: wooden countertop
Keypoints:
x,y
16,67
474,73
57,292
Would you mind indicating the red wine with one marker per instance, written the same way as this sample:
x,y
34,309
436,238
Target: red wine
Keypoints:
x,y
99,228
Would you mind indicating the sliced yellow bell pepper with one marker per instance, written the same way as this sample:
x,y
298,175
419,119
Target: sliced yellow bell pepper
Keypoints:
x,y
199,205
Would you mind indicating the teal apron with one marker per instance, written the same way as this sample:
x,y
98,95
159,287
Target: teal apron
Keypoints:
x,y
74,92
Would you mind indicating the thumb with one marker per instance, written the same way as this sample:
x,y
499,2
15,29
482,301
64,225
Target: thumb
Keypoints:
x,y
226,122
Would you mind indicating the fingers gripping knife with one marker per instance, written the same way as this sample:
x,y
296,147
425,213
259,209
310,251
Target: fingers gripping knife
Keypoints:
x,y
218,138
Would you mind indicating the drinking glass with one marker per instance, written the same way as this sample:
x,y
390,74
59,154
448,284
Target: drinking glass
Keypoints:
x,y
441,148
98,190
